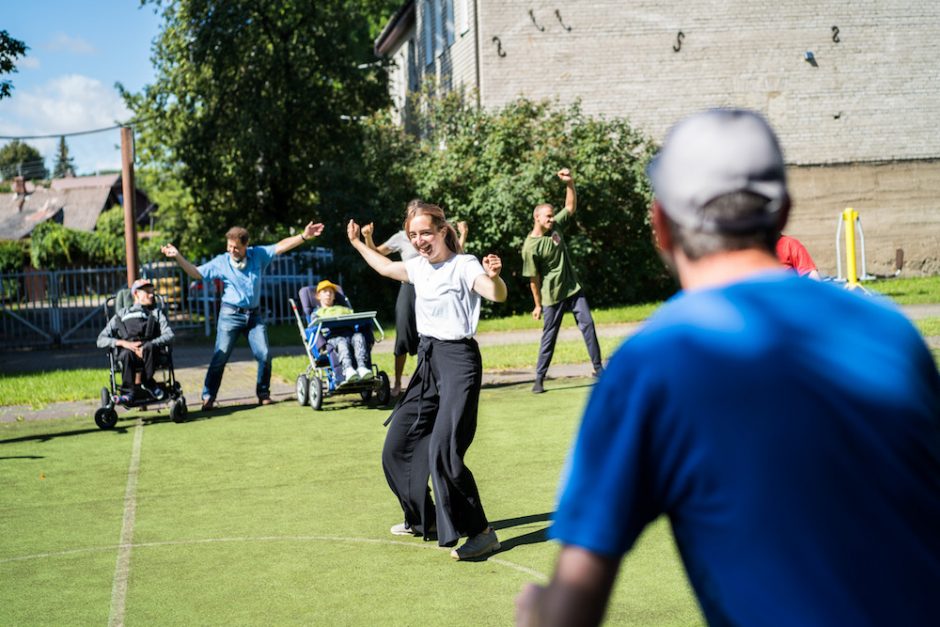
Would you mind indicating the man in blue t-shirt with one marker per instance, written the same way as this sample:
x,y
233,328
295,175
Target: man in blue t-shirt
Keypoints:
x,y
790,430
240,269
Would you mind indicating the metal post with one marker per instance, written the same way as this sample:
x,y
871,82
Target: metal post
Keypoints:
x,y
130,215
850,216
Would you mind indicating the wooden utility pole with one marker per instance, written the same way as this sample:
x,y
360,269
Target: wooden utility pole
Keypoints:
x,y
130,193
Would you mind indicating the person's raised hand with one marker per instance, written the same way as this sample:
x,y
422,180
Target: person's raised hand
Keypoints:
x,y
565,175
492,264
367,229
353,231
170,251
313,230
462,229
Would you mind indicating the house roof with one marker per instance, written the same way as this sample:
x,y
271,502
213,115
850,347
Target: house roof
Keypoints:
x,y
396,28
75,182
20,215
81,199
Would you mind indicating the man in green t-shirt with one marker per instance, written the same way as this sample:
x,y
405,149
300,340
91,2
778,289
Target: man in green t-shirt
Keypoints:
x,y
554,282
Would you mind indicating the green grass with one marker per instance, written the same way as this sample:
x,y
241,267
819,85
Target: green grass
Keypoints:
x,y
909,291
39,388
928,326
280,515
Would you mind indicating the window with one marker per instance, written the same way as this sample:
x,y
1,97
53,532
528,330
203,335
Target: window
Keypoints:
x,y
427,17
447,9
439,10
463,16
412,66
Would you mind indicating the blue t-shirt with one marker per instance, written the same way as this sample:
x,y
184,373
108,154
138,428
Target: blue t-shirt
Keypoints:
x,y
242,287
791,432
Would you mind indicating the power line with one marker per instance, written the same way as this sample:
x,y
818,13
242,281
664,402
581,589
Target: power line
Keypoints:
x,y
74,133
57,135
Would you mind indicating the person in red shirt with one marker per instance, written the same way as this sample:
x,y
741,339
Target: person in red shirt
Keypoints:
x,y
792,254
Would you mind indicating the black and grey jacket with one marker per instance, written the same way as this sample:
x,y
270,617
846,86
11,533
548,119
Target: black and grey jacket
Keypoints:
x,y
137,323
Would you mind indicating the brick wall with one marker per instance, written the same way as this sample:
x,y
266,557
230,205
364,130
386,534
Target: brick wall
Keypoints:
x,y
874,95
859,128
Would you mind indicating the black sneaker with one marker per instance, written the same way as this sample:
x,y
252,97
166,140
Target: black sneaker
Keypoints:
x,y
537,386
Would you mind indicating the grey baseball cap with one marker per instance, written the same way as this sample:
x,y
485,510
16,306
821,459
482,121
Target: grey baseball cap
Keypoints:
x,y
713,153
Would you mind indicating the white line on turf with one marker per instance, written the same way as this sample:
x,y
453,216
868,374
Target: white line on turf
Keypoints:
x,y
502,562
122,568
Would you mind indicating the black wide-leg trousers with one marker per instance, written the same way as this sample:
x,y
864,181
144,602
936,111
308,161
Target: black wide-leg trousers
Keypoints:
x,y
430,430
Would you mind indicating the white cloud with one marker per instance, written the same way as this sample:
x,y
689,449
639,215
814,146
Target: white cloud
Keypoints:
x,y
69,104
66,43
28,63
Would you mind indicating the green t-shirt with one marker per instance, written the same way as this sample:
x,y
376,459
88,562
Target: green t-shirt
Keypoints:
x,y
546,256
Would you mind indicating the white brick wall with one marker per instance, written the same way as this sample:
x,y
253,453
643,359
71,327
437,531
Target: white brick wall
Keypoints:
x,y
875,95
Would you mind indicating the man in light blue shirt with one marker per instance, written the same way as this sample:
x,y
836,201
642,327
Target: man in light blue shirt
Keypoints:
x,y
240,269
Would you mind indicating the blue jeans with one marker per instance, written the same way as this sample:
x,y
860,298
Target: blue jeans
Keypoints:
x,y
231,325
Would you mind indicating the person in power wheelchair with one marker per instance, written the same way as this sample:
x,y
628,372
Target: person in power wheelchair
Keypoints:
x,y
352,372
136,334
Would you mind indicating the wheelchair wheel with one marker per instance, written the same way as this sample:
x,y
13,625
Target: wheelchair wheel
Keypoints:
x,y
366,395
315,393
178,410
106,418
105,397
384,394
303,390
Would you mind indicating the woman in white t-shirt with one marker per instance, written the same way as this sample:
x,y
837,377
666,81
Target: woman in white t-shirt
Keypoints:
x,y
435,419
406,330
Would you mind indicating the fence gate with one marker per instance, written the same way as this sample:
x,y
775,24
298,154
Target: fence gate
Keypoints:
x,y
45,308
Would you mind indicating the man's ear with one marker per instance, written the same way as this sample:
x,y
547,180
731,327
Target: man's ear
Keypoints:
x,y
784,213
662,237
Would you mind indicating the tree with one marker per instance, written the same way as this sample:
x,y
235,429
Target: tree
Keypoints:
x,y
20,159
493,168
254,114
64,164
10,49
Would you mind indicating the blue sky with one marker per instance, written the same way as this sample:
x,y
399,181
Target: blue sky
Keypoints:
x,y
77,52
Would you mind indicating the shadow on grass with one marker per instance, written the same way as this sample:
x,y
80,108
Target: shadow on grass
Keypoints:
x,y
533,537
46,437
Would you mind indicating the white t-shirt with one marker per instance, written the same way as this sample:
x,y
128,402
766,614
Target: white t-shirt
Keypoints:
x,y
399,243
446,307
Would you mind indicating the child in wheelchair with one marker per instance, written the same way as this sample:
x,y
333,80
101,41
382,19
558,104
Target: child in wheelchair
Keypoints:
x,y
338,342
353,370
137,334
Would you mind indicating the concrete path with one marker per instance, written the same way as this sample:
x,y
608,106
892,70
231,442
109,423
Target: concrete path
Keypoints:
x,y
238,383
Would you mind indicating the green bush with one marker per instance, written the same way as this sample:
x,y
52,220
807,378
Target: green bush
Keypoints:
x,y
492,168
14,255
53,246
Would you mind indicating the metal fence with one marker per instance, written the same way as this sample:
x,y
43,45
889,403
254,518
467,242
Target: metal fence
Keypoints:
x,y
43,308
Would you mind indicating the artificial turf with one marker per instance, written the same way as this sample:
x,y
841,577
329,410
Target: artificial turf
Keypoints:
x,y
280,515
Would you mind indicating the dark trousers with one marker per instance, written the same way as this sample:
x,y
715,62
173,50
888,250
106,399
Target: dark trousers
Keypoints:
x,y
551,324
431,429
131,363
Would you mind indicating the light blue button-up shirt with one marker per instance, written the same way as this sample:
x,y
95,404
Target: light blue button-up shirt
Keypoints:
x,y
242,287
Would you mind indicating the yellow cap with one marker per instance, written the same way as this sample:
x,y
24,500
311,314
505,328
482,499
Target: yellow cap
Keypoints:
x,y
327,285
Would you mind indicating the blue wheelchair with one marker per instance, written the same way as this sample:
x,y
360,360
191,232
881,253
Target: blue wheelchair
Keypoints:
x,y
323,377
